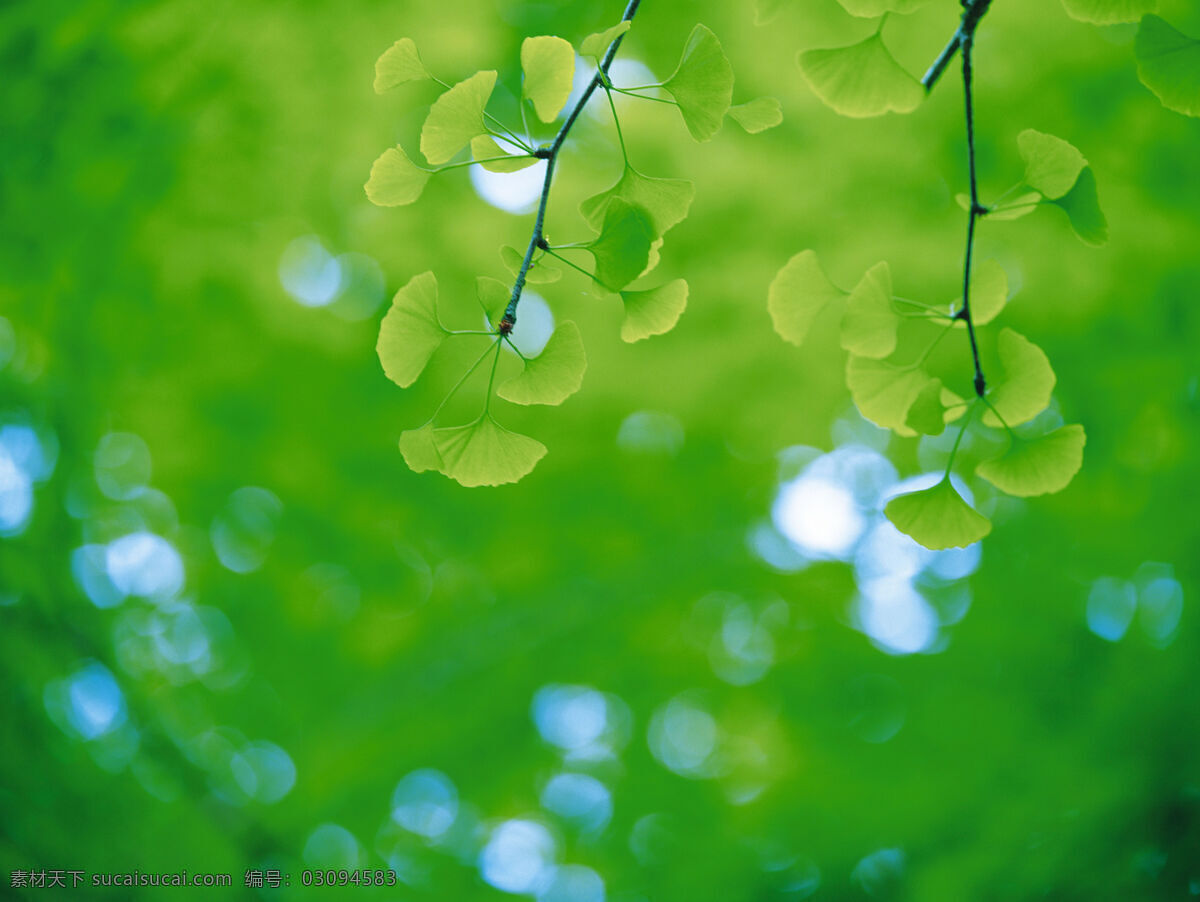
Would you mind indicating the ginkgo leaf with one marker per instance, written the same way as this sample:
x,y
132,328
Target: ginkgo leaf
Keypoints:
x,y
873,8
861,80
869,323
410,331
702,84
1108,12
1169,65
655,256
938,517
1014,208
664,201
757,115
419,449
485,453
492,157
540,272
883,392
595,45
399,65
989,293
395,180
654,311
927,415
553,375
549,65
1037,466
1027,385
799,292
1082,206
622,249
1052,165
456,117
493,296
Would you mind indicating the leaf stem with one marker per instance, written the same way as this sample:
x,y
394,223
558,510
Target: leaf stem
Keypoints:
x,y
630,92
487,399
973,11
537,238
579,268
961,432
459,384
616,121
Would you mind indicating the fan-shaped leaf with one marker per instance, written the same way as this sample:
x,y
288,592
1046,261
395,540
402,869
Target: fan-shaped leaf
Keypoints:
x,y
1169,65
928,412
797,294
873,8
410,331
622,249
861,80
540,272
553,375
654,311
549,64
702,84
399,65
485,453
493,296
989,293
1051,164
492,157
757,115
456,117
883,392
664,201
1014,208
1037,466
419,449
595,45
1108,12
938,517
395,180
1028,381
655,257
869,324
1082,206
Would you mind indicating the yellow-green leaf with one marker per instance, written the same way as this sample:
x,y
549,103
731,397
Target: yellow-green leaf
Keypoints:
x,y
938,517
989,293
872,8
927,415
622,249
419,449
549,65
1169,65
702,84
653,311
869,323
1082,206
1052,165
410,331
399,65
553,375
1028,381
799,292
493,297
492,157
485,453
395,180
1108,12
664,201
1037,466
883,392
456,117
540,272
595,45
757,115
861,80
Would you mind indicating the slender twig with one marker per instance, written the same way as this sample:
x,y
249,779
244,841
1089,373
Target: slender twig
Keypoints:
x,y
537,238
975,212
973,11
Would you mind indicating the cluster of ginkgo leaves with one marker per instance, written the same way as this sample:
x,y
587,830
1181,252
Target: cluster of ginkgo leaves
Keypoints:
x,y
630,219
889,339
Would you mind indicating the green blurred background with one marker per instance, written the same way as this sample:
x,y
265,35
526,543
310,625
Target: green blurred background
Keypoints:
x,y
684,659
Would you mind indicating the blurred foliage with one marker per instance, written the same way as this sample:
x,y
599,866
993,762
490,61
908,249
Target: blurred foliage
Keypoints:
x,y
363,621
